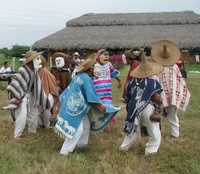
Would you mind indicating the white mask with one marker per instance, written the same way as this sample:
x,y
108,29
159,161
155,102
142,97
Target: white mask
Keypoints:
x,y
37,63
60,62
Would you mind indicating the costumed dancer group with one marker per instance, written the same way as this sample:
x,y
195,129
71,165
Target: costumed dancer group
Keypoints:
x,y
76,105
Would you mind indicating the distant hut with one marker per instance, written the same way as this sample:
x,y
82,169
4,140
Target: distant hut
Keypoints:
x,y
123,31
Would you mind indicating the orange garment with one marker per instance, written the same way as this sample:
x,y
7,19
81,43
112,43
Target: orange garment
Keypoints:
x,y
48,82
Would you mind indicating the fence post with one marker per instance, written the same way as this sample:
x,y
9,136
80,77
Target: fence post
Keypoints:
x,y
13,64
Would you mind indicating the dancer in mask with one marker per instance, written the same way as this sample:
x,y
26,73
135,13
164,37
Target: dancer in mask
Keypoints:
x,y
33,88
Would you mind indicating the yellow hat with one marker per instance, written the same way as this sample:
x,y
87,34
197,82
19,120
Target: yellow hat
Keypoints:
x,y
86,64
165,52
146,68
30,55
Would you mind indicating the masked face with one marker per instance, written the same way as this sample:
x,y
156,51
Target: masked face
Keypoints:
x,y
60,62
104,58
37,63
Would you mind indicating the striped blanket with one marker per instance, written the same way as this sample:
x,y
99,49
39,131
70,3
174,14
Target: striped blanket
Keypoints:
x,y
175,91
45,88
21,83
41,84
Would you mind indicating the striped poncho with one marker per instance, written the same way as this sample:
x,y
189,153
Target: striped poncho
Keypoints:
x,y
45,88
21,83
41,85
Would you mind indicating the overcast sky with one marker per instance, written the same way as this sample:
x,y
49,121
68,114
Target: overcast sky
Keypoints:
x,y
26,21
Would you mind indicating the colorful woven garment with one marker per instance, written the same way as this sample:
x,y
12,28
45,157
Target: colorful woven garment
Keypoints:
x,y
175,91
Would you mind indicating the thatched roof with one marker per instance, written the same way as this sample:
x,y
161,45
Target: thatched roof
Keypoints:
x,y
93,31
92,19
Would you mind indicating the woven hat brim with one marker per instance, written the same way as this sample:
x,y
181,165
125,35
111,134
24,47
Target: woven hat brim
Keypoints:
x,y
32,56
174,52
147,70
60,54
88,63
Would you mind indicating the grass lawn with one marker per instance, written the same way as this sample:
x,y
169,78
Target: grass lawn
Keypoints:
x,y
192,67
39,154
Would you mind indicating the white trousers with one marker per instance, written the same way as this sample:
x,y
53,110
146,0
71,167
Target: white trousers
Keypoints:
x,y
173,120
153,129
26,113
80,139
44,118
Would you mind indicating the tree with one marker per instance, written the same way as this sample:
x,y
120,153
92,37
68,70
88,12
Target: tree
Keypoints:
x,y
6,52
18,50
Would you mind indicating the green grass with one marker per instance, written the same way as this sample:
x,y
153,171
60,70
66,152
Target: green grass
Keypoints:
x,y
39,154
192,67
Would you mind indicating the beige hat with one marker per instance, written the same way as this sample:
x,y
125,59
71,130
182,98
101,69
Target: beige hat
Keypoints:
x,y
66,57
76,54
86,64
146,68
165,52
30,55
60,54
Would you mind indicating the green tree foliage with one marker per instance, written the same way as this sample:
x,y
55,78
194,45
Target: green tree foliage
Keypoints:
x,y
6,52
15,51
18,50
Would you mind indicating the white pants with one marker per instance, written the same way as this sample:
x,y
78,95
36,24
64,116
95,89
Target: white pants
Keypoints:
x,y
80,139
44,118
173,120
153,129
26,113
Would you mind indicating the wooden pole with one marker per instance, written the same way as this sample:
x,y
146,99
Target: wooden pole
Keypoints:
x,y
13,64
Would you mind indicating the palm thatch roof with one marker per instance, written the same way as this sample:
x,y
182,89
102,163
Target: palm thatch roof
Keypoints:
x,y
93,31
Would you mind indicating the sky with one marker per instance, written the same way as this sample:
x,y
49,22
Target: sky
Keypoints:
x,y
25,21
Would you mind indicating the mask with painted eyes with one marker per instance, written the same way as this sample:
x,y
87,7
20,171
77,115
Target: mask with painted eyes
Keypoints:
x,y
37,63
60,62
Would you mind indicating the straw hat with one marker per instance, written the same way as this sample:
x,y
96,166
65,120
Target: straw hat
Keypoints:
x,y
30,55
147,68
76,54
60,54
86,64
66,57
165,52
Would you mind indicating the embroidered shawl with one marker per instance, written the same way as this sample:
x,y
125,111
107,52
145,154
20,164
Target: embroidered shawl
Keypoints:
x,y
175,91
139,93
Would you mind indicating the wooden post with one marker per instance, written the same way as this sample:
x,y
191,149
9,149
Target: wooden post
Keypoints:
x,y
13,63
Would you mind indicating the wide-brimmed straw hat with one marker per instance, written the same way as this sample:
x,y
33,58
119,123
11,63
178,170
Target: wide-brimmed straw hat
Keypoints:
x,y
59,54
147,68
87,63
66,57
30,55
165,52
76,54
